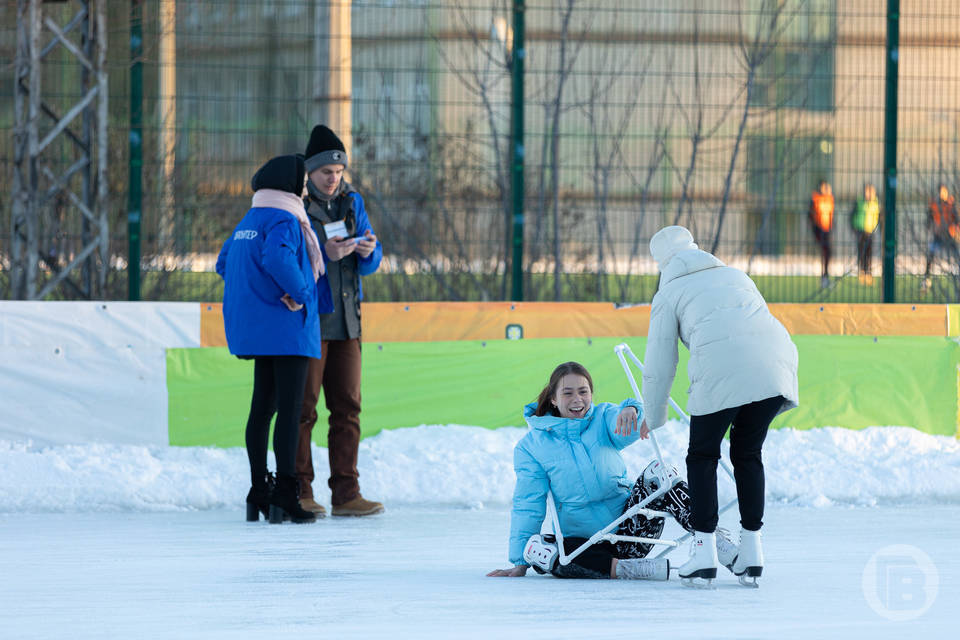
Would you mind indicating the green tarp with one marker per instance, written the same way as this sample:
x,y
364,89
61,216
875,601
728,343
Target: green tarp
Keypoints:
x,y
845,381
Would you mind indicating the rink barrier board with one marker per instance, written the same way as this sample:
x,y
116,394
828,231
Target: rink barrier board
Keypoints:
x,y
464,321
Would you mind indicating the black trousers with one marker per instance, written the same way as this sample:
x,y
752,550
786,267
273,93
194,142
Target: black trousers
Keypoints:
x,y
823,239
750,424
864,251
278,383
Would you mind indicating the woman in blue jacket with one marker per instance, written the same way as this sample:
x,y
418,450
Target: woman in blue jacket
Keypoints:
x,y
573,450
270,265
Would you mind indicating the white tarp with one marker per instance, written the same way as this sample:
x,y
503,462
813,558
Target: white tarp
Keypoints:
x,y
75,372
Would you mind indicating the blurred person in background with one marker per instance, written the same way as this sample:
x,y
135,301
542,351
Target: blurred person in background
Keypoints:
x,y
864,219
944,227
820,213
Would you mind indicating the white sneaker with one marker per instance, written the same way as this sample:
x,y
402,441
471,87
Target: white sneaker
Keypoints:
x,y
749,563
703,561
727,551
643,569
540,554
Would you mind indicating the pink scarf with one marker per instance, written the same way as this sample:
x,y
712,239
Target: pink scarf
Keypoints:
x,y
276,199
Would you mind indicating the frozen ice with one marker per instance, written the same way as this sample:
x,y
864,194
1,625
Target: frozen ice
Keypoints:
x,y
107,540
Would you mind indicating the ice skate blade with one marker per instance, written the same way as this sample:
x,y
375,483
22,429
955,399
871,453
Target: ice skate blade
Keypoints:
x,y
698,583
748,577
749,581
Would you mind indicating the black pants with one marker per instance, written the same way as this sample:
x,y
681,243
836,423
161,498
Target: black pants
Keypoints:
x,y
596,559
864,251
823,239
278,383
750,424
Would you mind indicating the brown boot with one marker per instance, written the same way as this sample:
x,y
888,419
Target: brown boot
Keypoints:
x,y
309,504
357,507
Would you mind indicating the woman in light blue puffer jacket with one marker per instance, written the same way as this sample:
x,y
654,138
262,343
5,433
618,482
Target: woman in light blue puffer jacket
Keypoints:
x,y
573,450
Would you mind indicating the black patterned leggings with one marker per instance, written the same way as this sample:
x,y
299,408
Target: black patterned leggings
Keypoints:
x,y
595,561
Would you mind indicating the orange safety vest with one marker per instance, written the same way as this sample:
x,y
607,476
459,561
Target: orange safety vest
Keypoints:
x,y
944,216
822,213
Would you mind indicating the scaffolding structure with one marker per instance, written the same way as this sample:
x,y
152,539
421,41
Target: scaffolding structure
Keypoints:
x,y
59,216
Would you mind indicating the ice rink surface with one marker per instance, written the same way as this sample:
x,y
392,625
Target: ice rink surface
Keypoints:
x,y
419,573
108,541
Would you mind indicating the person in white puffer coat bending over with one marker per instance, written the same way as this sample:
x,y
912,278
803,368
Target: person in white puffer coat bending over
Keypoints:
x,y
742,370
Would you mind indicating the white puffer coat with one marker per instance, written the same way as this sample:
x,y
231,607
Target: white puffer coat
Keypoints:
x,y
739,353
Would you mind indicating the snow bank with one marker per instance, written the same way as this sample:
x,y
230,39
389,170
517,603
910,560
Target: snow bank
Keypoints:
x,y
468,467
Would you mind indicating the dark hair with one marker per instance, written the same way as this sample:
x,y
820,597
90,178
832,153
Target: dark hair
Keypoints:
x,y
544,406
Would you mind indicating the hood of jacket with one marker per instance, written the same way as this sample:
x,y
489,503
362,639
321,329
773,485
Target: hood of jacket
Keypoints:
x,y
686,262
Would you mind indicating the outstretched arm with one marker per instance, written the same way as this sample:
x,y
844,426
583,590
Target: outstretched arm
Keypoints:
x,y
660,361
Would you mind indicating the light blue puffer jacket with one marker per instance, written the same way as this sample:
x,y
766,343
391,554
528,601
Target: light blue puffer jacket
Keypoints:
x,y
578,459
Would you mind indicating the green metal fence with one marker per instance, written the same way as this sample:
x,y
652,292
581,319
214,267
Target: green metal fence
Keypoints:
x,y
722,116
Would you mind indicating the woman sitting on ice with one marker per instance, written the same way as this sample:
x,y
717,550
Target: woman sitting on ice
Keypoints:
x,y
573,450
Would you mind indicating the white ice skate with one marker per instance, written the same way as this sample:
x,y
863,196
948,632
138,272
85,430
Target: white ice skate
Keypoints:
x,y
540,554
658,475
749,563
701,569
643,569
727,551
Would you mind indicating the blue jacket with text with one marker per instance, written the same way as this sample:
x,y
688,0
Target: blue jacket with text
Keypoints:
x,y
265,257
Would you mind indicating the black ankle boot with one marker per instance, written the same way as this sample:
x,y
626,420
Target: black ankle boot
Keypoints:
x,y
258,498
285,502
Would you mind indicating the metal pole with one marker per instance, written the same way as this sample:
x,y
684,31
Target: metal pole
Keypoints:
x,y
23,200
167,142
103,142
135,194
516,169
890,153
87,39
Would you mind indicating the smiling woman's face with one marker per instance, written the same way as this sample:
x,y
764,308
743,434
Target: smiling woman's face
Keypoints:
x,y
573,396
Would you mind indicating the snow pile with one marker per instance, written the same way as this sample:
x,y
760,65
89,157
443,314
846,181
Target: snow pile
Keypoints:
x,y
467,467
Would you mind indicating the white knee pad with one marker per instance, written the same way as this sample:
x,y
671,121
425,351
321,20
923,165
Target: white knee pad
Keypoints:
x,y
541,554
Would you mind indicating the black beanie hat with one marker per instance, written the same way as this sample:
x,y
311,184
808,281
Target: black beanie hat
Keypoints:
x,y
284,173
324,148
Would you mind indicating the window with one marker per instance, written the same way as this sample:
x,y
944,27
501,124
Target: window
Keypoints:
x,y
799,71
